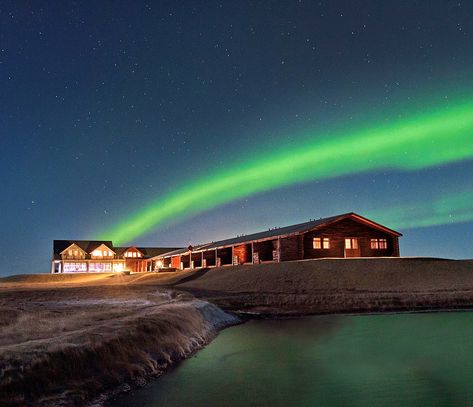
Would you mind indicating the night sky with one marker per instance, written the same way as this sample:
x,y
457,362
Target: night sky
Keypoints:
x,y
108,108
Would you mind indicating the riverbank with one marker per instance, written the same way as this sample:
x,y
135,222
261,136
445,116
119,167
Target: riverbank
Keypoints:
x,y
65,339
66,347
336,286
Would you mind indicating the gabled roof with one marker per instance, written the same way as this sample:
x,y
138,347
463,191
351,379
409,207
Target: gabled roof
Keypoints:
x,y
288,230
87,245
147,251
110,247
73,245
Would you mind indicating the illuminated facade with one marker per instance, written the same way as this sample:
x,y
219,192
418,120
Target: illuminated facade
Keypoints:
x,y
341,236
93,256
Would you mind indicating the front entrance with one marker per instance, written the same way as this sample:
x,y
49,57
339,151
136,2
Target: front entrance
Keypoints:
x,y
352,248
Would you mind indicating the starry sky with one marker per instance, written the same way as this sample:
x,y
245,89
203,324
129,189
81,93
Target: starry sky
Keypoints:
x,y
107,108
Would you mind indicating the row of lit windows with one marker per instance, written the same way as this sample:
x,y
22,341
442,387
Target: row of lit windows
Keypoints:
x,y
82,267
75,267
102,253
75,253
350,243
100,266
132,254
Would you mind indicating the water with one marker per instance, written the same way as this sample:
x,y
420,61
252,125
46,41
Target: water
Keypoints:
x,y
372,360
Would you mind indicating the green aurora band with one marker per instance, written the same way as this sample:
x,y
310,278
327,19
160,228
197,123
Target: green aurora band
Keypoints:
x,y
440,136
451,208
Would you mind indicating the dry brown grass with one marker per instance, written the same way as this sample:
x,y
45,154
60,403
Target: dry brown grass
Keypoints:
x,y
66,346
339,285
67,338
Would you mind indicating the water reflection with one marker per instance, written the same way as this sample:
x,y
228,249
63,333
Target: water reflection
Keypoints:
x,y
408,360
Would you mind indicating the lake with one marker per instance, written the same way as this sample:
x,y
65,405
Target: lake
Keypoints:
x,y
391,360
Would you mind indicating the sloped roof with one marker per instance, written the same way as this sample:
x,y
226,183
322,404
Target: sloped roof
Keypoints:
x,y
184,250
87,245
287,230
147,251
90,245
156,251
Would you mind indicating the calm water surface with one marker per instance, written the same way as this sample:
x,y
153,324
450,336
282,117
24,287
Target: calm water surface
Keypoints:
x,y
389,360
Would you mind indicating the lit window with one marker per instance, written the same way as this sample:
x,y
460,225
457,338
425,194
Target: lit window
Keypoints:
x,y
70,252
326,243
75,267
379,244
351,244
321,243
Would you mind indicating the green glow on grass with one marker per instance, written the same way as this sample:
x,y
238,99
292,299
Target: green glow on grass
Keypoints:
x,y
437,137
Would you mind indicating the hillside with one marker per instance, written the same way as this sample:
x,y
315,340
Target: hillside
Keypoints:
x,y
299,287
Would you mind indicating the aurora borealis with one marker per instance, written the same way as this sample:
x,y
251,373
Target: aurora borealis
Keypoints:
x,y
434,138
174,123
447,209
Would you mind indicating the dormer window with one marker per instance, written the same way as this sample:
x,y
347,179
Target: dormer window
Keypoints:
x,y
133,254
102,252
73,252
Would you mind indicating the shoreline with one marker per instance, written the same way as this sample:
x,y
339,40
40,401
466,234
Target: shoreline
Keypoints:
x,y
86,362
133,328
106,398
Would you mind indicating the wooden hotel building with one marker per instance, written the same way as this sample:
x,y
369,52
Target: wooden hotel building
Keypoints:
x,y
341,236
92,256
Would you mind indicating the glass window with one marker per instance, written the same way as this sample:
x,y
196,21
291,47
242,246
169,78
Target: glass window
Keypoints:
x,y
97,267
118,267
75,267
321,243
379,244
326,243
351,243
